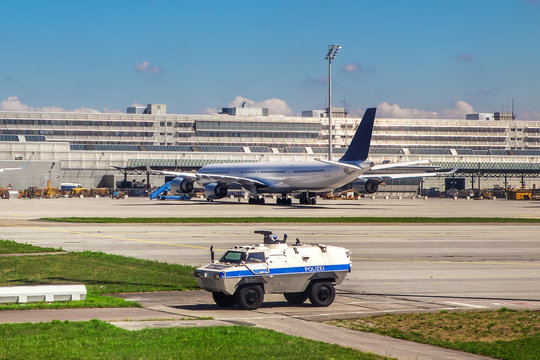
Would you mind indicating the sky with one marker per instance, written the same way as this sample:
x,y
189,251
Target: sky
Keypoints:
x,y
431,59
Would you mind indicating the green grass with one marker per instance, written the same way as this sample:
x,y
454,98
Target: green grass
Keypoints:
x,y
101,273
91,301
13,247
503,334
97,340
258,219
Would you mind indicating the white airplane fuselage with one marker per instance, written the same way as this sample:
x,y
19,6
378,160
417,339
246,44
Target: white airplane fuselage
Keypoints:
x,y
288,177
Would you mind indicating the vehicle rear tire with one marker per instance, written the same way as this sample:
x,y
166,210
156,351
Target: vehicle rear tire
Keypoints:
x,y
224,300
296,297
250,297
322,293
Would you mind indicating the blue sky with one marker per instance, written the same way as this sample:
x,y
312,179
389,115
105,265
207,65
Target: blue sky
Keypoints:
x,y
411,58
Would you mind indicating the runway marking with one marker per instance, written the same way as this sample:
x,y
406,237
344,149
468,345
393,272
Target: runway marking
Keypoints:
x,y
450,262
110,236
466,305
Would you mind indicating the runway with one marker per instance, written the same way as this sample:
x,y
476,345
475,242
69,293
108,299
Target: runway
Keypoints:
x,y
466,261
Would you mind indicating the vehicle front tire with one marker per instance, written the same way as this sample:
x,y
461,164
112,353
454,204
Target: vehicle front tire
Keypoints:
x,y
322,293
224,300
250,297
296,297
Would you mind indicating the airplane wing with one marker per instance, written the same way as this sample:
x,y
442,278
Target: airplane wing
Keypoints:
x,y
392,165
216,177
386,177
343,165
229,179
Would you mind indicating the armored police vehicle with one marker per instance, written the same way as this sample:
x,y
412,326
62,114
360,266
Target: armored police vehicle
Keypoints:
x,y
299,271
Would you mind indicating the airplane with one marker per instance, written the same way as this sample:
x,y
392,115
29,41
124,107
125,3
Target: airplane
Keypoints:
x,y
303,178
8,169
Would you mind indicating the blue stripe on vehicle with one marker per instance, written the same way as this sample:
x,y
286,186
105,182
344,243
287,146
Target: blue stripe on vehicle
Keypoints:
x,y
289,271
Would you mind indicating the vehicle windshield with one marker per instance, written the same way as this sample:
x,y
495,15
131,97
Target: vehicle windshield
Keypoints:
x,y
233,257
237,257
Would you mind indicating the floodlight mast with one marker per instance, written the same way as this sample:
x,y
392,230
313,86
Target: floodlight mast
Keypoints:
x,y
332,52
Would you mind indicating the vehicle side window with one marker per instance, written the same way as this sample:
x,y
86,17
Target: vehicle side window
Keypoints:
x,y
256,257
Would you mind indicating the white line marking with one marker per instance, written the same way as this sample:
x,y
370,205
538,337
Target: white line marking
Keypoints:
x,y
467,305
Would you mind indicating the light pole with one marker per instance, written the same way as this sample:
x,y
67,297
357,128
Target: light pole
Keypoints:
x,y
332,52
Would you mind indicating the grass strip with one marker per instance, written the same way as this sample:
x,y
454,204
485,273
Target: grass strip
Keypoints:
x,y
101,273
99,340
13,247
502,334
260,219
91,301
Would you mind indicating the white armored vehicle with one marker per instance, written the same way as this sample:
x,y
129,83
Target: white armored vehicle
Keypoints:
x,y
299,271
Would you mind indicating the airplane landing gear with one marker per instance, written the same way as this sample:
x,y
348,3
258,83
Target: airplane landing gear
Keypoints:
x,y
305,199
256,200
284,201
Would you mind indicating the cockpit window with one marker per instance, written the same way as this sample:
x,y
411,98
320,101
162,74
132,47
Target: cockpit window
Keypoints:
x,y
233,257
256,257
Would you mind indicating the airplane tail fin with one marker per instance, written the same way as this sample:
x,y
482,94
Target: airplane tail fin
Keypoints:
x,y
359,148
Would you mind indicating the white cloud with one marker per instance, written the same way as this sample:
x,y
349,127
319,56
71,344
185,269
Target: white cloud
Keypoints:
x,y
84,109
353,67
210,110
13,103
146,66
395,111
528,115
356,67
275,106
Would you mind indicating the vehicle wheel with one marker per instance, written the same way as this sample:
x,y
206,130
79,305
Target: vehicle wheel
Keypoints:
x,y
288,201
224,300
296,297
250,297
261,201
322,293
313,201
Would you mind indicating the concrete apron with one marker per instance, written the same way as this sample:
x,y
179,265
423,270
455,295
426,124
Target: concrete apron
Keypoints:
x,y
184,309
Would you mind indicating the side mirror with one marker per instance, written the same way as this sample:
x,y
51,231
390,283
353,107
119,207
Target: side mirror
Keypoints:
x,y
212,253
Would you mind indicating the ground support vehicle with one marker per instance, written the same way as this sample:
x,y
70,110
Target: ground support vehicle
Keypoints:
x,y
299,271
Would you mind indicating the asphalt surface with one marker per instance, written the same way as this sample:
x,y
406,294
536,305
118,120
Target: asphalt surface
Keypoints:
x,y
396,267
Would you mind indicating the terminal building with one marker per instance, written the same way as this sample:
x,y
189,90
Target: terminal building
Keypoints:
x,y
85,147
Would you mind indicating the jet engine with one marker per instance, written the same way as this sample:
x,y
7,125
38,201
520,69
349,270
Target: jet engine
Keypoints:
x,y
368,186
371,186
180,185
215,191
